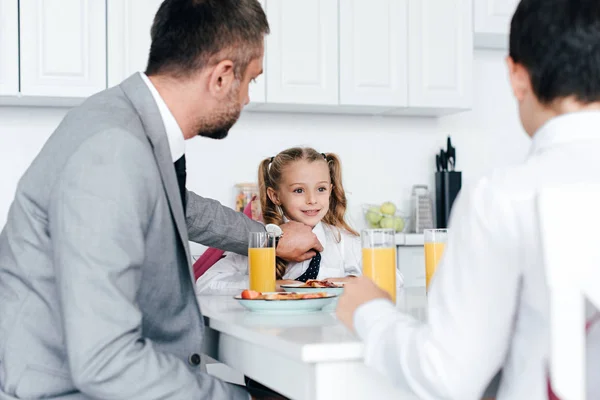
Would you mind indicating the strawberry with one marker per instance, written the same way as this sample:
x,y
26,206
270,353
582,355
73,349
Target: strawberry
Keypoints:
x,y
250,294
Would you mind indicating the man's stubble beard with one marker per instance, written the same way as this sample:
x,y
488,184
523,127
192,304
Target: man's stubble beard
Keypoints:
x,y
217,126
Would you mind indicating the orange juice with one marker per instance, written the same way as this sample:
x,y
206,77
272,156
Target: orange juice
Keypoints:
x,y
379,264
261,268
433,255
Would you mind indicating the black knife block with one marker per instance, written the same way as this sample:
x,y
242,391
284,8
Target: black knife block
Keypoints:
x,y
447,186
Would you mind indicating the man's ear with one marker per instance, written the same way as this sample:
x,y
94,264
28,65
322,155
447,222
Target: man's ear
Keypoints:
x,y
273,196
520,80
221,79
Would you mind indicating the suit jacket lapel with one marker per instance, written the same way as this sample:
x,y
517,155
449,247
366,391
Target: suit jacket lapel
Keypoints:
x,y
142,100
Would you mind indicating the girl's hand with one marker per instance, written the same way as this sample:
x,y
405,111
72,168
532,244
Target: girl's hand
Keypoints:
x,y
280,282
344,279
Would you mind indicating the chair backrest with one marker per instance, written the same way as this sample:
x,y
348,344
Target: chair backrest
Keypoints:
x,y
569,218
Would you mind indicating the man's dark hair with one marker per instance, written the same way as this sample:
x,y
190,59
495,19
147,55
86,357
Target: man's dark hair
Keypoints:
x,y
188,35
558,42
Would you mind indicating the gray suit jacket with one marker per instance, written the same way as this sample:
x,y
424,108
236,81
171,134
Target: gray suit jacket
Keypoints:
x,y
96,286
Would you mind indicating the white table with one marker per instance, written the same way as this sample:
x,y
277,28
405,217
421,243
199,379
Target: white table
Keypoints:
x,y
306,356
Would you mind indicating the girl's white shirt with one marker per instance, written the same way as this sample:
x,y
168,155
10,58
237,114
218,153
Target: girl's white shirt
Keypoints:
x,y
341,256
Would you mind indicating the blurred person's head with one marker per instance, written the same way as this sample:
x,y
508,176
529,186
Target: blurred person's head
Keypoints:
x,y
554,59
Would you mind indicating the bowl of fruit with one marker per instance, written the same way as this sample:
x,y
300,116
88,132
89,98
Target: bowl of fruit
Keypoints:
x,y
385,216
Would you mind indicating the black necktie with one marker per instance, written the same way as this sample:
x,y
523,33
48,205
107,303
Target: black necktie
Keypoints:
x,y
313,269
181,175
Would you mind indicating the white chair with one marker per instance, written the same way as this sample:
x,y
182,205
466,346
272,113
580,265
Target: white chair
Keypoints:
x,y
569,218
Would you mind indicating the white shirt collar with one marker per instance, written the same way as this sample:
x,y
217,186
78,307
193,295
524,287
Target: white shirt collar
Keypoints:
x,y
174,132
567,128
319,230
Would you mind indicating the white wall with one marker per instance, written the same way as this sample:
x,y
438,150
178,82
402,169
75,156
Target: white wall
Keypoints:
x,y
382,156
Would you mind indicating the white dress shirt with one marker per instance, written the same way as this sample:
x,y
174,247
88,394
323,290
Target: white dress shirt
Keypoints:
x,y
341,256
174,133
488,302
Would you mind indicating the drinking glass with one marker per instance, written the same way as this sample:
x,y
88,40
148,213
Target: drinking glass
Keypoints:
x,y
261,261
379,258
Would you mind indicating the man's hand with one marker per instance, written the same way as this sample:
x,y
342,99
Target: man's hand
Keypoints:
x,y
298,242
357,292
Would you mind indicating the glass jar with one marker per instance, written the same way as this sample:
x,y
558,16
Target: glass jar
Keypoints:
x,y
244,192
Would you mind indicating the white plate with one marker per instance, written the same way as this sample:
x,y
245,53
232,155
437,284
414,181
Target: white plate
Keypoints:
x,y
297,287
291,306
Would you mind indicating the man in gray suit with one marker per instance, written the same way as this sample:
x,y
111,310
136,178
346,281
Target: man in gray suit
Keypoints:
x,y
96,289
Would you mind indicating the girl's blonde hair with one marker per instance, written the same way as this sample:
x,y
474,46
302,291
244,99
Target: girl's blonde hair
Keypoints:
x,y
270,174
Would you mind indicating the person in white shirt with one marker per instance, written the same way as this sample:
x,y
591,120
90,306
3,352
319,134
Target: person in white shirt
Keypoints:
x,y
303,185
488,302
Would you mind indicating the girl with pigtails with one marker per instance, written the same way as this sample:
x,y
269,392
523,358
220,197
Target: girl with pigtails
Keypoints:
x,y
303,185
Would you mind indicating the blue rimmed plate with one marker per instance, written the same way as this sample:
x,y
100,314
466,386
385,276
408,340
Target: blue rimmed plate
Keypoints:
x,y
285,306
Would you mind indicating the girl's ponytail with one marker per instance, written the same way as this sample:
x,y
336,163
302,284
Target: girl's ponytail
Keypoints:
x,y
337,203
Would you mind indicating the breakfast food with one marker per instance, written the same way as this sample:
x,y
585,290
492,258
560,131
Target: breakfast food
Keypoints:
x,y
253,295
313,283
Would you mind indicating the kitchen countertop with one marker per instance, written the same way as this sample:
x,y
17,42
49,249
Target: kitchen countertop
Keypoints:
x,y
313,348
309,356
310,338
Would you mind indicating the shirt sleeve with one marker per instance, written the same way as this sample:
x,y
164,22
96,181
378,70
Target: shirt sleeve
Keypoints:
x,y
228,276
471,307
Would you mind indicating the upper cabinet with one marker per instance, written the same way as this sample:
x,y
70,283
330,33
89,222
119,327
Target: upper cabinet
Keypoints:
x,y
9,47
406,57
369,56
492,22
373,53
258,90
302,52
63,47
440,54
129,23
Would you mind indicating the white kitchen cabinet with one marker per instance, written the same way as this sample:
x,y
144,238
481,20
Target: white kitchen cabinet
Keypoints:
x,y
411,263
63,47
440,54
492,22
129,23
258,90
373,53
302,52
9,47
385,57
406,57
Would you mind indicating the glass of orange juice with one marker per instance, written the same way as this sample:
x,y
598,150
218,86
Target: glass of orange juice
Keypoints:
x,y
435,244
261,261
379,258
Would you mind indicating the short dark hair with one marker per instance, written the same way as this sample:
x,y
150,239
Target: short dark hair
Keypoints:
x,y
188,35
558,42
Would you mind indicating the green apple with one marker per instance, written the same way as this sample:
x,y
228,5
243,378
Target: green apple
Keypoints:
x,y
388,208
399,224
387,223
373,225
373,216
